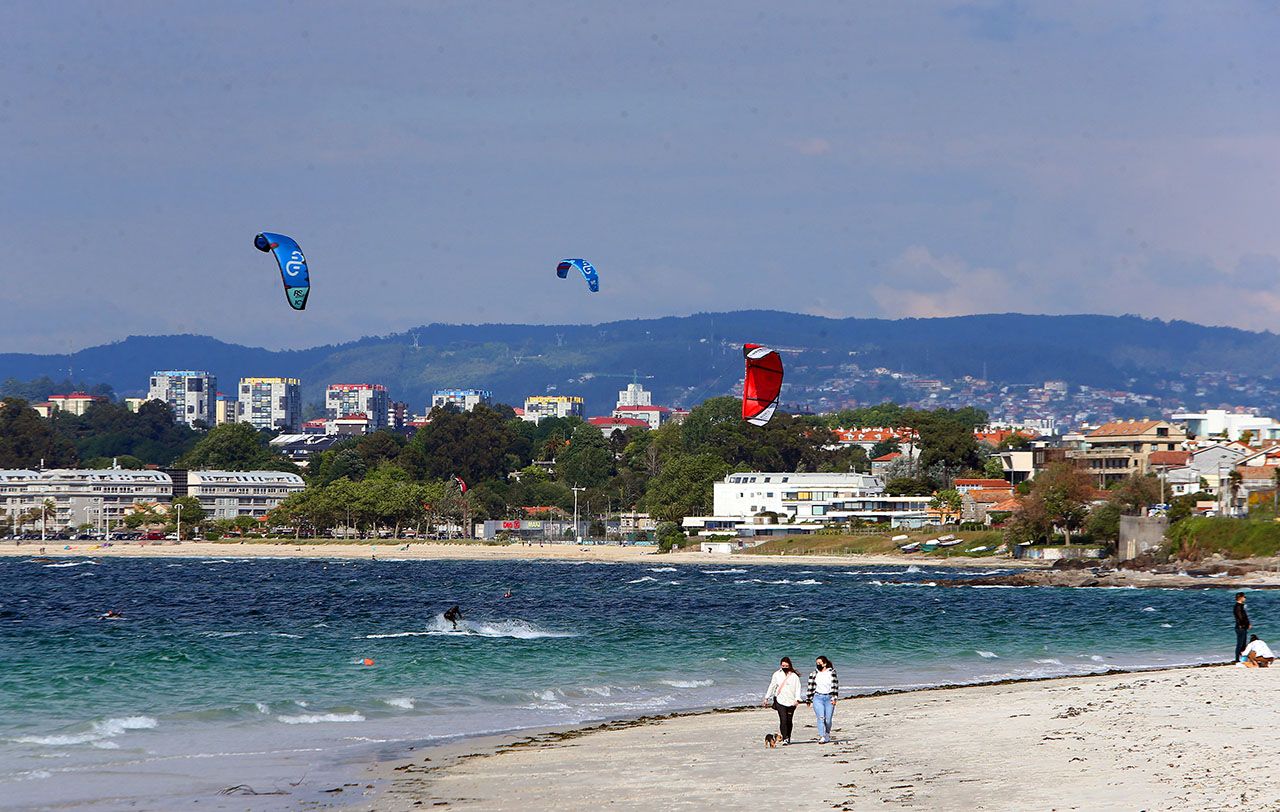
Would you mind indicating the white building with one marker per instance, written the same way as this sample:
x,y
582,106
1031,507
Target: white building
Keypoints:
x,y
802,503
464,399
191,393
536,407
654,416
228,494
274,404
82,496
1229,425
634,395
347,399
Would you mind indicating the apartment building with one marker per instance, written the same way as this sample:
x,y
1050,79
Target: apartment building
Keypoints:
x,y
82,496
463,399
1115,451
536,407
228,494
370,399
273,404
191,394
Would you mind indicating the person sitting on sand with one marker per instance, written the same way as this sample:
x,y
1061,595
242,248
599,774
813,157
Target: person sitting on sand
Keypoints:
x,y
1258,654
784,694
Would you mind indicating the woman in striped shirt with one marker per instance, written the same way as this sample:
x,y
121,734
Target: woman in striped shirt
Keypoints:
x,y
824,691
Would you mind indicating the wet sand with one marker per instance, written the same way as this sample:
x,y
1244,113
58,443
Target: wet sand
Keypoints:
x,y
1186,739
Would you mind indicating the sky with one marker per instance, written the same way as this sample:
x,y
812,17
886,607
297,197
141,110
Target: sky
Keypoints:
x,y
437,159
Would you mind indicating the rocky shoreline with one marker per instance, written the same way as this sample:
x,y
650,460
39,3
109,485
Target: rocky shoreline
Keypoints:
x,y
1213,574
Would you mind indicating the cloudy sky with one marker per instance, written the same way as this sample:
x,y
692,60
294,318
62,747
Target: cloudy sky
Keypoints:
x,y
436,159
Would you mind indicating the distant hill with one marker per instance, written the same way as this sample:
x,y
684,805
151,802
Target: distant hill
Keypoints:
x,y
683,360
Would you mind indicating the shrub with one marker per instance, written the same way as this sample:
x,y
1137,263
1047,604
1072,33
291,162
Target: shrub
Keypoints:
x,y
1202,536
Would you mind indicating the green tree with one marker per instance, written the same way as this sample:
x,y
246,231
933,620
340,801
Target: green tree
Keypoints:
x,y
993,468
683,488
587,461
1065,492
192,510
232,447
668,535
947,502
473,445
26,439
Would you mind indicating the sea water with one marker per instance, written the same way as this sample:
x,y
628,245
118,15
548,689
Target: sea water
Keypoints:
x,y
252,672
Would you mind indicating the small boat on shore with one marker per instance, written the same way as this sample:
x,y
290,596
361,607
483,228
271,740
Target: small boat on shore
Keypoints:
x,y
981,549
951,542
910,548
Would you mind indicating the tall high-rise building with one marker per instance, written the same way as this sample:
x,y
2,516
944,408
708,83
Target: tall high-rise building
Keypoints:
x,y
274,404
464,399
225,409
397,415
634,395
347,399
191,393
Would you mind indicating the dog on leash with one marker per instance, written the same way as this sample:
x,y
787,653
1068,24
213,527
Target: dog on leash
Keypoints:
x,y
771,739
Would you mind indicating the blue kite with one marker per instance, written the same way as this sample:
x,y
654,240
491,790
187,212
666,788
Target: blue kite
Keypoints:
x,y
293,266
588,272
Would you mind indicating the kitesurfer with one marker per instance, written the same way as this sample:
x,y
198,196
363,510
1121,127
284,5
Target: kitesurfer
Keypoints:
x,y
453,616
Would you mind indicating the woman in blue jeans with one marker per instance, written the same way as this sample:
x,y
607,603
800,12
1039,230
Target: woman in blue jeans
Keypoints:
x,y
824,692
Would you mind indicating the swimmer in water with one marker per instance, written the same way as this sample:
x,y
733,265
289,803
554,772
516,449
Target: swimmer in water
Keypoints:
x,y
453,616
111,614
507,594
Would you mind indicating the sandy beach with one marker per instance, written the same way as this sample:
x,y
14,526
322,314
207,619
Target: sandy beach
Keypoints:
x,y
475,551
1196,738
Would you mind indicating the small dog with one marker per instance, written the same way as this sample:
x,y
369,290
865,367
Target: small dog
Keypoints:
x,y
771,739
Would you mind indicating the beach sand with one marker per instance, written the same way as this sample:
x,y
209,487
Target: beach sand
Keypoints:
x,y
1196,738
390,550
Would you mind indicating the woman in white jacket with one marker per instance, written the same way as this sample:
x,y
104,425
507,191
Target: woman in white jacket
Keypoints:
x,y
785,692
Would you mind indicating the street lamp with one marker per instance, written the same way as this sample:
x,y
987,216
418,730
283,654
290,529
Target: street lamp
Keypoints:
x,y
179,509
576,535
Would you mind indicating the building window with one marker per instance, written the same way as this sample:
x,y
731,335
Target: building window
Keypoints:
x,y
818,510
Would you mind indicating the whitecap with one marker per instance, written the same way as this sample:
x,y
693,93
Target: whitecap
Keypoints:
x,y
808,582
262,707
1095,658
1048,661
97,732
400,702
1148,609
687,683
722,572
317,718
63,564
642,579
986,655
518,629
662,569
1166,625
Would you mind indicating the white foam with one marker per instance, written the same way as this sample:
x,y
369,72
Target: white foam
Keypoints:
x,y
97,732
262,707
722,572
662,569
1048,661
317,718
1166,625
400,702
518,629
62,564
687,683
1148,609
808,582
987,655
642,579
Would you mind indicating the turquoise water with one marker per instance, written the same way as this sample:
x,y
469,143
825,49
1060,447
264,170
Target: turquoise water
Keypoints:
x,y
227,670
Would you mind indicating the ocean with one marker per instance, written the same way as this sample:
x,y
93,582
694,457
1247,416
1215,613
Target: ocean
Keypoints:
x,y
252,672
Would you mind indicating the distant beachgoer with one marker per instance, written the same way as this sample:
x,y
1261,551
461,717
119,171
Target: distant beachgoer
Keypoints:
x,y
1242,626
507,594
453,616
824,692
784,694
1258,654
